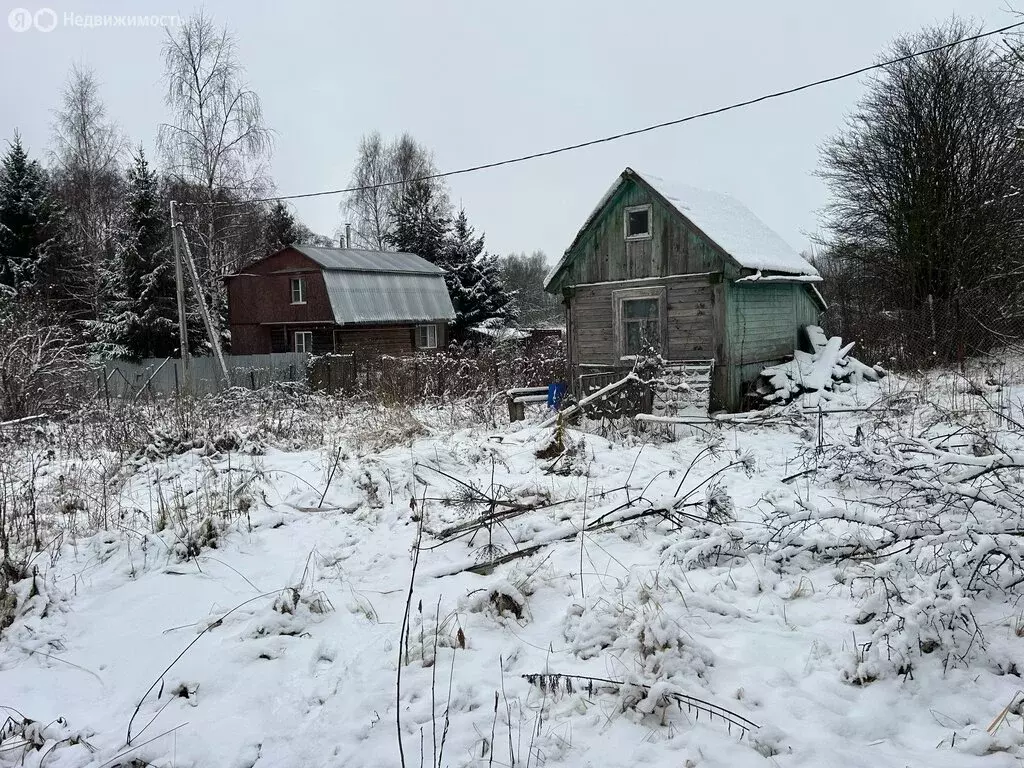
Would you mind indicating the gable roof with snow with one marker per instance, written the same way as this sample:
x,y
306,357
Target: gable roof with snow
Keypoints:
x,y
722,219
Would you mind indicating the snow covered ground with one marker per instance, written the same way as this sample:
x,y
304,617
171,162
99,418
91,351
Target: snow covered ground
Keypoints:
x,y
273,634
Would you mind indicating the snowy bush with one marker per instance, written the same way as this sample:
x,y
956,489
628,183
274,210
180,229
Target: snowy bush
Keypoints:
x,y
925,530
42,367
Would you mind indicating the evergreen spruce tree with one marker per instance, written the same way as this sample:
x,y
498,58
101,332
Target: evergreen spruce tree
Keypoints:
x,y
29,220
421,223
474,279
280,228
142,318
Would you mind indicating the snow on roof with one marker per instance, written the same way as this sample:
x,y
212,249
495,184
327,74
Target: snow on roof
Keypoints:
x,y
733,226
724,219
500,332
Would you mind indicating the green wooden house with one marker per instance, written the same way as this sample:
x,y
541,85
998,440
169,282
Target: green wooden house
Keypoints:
x,y
691,272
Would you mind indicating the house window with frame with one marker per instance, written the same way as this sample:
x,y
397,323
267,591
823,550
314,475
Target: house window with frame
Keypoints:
x,y
426,337
639,320
304,341
298,290
637,222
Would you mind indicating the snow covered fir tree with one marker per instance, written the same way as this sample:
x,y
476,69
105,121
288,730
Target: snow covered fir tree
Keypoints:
x,y
141,318
29,225
424,226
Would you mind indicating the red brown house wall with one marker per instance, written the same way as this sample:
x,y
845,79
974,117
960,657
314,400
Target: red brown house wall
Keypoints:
x,y
262,295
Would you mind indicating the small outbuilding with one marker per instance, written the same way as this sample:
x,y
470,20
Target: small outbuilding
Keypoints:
x,y
693,274
324,300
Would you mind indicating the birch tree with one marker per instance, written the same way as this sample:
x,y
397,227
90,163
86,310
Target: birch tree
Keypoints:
x,y
216,138
87,153
382,176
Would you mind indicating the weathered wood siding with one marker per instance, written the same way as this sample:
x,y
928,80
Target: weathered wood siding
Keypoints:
x,y
763,323
764,320
384,339
690,310
602,253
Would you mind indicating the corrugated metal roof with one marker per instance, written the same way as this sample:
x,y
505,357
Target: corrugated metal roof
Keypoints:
x,y
357,260
387,296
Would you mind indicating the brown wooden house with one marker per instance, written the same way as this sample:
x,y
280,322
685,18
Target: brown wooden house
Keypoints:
x,y
692,273
323,300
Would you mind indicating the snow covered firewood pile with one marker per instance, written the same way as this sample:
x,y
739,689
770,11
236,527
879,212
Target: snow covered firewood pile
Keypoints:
x,y
818,375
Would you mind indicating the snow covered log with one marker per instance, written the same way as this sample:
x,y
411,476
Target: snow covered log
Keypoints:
x,y
814,372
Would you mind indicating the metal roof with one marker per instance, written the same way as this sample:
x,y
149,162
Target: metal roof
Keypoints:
x,y
357,260
378,296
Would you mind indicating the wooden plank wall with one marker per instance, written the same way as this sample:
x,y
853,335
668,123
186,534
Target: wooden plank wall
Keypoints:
x,y
603,253
764,321
378,339
691,307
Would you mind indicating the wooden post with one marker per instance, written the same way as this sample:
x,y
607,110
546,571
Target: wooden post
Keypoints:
x,y
203,309
106,386
179,284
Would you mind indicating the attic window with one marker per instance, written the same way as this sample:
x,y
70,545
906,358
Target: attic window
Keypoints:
x,y
637,222
298,290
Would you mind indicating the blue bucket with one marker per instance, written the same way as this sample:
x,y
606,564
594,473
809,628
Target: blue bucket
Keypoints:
x,y
555,394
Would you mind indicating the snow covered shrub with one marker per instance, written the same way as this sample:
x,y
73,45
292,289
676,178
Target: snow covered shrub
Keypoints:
x,y
705,544
929,529
665,651
292,612
42,367
644,621
567,456
24,742
378,427
501,599
428,633
10,574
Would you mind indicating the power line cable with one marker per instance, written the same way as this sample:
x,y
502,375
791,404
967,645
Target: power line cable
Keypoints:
x,y
638,131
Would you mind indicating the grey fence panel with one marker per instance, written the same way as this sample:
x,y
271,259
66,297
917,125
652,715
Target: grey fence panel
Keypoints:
x,y
160,377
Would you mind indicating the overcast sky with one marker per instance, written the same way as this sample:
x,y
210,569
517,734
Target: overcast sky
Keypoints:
x,y
480,80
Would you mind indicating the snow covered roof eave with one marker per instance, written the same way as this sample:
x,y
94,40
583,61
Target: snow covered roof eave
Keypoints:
x,y
759,277
800,266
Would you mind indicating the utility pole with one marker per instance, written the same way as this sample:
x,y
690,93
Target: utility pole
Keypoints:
x,y
204,311
179,284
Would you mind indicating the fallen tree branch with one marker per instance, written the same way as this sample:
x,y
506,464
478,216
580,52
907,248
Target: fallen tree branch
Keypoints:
x,y
555,682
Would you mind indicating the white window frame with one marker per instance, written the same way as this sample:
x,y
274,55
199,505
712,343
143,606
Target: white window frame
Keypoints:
x,y
307,342
300,283
650,222
430,332
619,298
